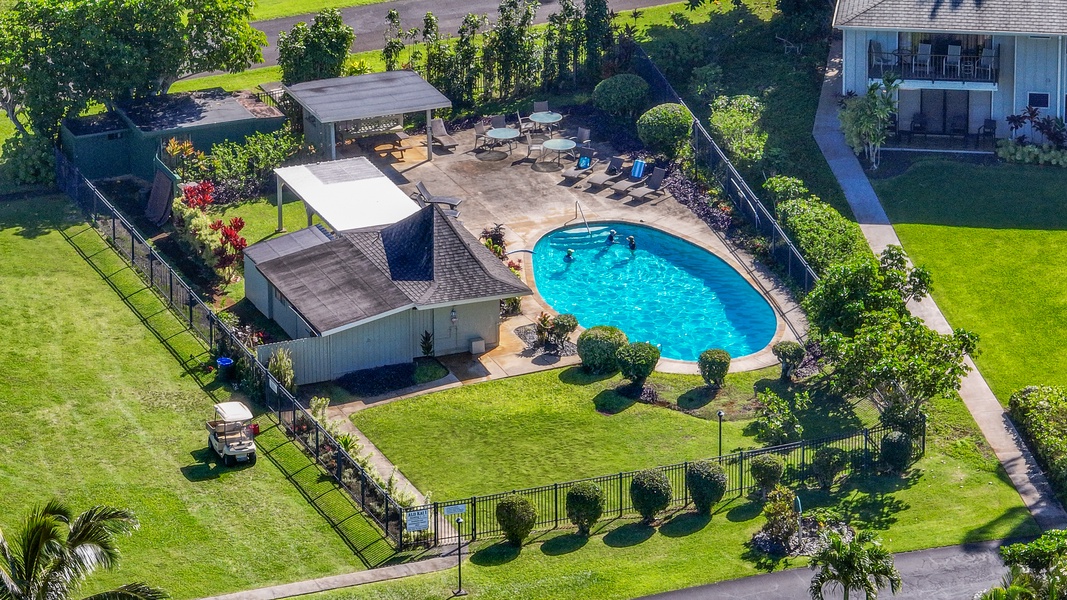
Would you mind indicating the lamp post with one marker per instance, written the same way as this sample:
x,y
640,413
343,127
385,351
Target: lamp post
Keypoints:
x,y
721,415
459,557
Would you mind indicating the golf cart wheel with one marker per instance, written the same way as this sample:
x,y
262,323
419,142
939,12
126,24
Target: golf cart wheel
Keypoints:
x,y
229,460
251,459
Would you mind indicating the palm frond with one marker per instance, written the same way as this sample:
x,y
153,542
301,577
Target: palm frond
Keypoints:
x,y
9,588
131,591
38,544
91,541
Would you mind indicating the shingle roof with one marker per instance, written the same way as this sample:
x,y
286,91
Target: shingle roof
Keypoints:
x,y
424,260
1041,17
286,244
367,96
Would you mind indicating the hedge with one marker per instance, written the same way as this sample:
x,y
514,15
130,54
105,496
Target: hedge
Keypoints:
x,y
822,235
1041,415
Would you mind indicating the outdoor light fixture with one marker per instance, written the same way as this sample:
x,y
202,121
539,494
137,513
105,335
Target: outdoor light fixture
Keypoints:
x,y
721,415
452,315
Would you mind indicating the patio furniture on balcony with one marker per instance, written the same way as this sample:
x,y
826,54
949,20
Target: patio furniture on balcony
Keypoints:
x,y
953,60
881,58
923,59
986,63
958,64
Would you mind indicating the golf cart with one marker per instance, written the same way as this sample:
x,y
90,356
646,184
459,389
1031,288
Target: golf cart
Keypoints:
x,y
230,434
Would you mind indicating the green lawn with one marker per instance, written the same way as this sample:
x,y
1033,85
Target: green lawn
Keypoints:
x,y
273,9
992,237
957,493
97,410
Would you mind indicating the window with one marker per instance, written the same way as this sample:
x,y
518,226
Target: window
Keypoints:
x,y
1037,99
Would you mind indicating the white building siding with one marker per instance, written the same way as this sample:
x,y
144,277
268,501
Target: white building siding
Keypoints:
x,y
480,320
854,67
257,288
1037,67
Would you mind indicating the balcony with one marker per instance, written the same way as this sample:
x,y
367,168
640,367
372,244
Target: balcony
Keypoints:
x,y
920,64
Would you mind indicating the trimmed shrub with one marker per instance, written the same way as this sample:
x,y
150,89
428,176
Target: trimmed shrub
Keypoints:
x,y
790,354
623,94
637,361
706,482
714,364
516,516
776,422
896,451
562,327
1041,414
585,504
28,159
822,235
766,470
827,464
650,493
781,188
597,347
1040,555
781,525
664,128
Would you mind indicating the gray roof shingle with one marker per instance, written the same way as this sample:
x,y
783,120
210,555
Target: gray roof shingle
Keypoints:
x,y
1041,17
367,96
424,260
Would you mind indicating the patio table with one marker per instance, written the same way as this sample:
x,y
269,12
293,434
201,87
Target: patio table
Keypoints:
x,y
559,145
546,118
503,134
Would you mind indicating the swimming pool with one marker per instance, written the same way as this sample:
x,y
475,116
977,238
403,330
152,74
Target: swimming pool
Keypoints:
x,y
666,291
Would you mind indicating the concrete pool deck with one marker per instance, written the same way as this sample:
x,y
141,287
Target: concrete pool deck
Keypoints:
x,y
530,203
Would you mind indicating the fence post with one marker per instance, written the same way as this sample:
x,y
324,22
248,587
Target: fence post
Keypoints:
x,y
866,448
741,470
362,489
620,494
189,301
803,467
474,519
685,486
555,498
436,537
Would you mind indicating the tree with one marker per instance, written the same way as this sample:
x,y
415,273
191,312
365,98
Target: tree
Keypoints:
x,y
598,36
860,565
316,52
54,551
217,36
865,119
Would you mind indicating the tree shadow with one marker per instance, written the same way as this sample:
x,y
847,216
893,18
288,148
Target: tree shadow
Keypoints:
x,y
610,402
698,397
684,524
1023,528
498,554
564,544
748,510
629,535
579,376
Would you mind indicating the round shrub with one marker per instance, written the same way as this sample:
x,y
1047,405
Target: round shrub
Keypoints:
x,y
650,492
896,451
28,159
827,464
714,365
766,471
597,347
516,516
663,128
562,327
790,354
707,484
585,504
620,95
637,360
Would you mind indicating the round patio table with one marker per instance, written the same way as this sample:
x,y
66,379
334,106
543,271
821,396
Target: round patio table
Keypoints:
x,y
503,135
546,118
559,145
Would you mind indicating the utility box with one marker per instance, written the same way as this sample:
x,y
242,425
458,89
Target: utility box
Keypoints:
x,y
477,346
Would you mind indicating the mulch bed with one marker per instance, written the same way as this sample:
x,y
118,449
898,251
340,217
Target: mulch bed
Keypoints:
x,y
528,334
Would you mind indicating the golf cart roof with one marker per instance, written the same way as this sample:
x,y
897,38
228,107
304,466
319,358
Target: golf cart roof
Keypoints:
x,y
233,411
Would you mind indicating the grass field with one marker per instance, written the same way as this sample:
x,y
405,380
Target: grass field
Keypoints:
x,y
956,493
991,234
97,410
274,9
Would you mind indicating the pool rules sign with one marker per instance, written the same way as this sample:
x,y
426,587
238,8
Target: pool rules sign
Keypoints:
x,y
417,520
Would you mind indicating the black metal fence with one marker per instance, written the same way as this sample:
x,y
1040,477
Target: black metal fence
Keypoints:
x,y
438,522
709,155
254,378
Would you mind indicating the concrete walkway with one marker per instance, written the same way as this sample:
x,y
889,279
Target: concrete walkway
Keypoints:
x,y
949,573
987,411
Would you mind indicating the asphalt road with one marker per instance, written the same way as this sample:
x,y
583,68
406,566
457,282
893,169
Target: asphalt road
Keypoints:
x,y
369,21
949,573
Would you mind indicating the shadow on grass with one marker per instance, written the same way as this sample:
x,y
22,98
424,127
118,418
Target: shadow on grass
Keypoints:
x,y
629,535
683,524
698,397
498,554
1024,528
610,402
744,510
207,466
579,376
564,544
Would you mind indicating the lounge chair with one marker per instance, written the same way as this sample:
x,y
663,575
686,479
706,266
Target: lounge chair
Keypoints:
x,y
449,212
424,194
613,172
577,171
653,186
440,135
636,177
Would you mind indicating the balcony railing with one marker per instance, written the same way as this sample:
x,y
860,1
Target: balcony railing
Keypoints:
x,y
909,64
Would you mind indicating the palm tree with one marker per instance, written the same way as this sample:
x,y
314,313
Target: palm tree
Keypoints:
x,y
860,565
53,553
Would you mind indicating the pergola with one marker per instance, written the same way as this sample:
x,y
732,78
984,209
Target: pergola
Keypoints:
x,y
347,194
370,103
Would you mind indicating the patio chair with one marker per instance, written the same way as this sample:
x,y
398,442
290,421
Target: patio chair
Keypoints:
x,y
638,175
498,121
448,212
653,186
788,46
584,137
923,59
525,125
953,60
881,58
481,140
440,135
958,126
988,130
578,171
541,106
986,62
428,198
532,145
610,174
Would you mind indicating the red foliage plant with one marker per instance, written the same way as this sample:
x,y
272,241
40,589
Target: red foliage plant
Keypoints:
x,y
199,195
232,244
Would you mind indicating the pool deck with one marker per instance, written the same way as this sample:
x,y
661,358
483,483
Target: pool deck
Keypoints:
x,y
530,204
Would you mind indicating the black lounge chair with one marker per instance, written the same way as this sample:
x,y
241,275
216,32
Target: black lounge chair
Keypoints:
x,y
577,171
612,173
423,194
440,135
634,179
653,186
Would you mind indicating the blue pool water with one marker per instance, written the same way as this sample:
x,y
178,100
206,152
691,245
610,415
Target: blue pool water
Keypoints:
x,y
668,291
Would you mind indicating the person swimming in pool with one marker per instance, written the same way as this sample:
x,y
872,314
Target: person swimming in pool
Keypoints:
x,y
632,242
570,255
611,236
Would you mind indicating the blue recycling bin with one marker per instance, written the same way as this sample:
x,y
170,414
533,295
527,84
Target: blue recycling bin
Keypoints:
x,y
225,366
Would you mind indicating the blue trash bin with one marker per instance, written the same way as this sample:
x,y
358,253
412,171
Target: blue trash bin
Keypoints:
x,y
225,366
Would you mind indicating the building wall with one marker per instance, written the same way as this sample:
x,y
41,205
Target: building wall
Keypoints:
x,y
145,145
257,289
480,320
1038,68
98,155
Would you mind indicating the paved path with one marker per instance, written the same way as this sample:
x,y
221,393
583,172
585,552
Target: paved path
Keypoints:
x,y
949,573
368,21
987,411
